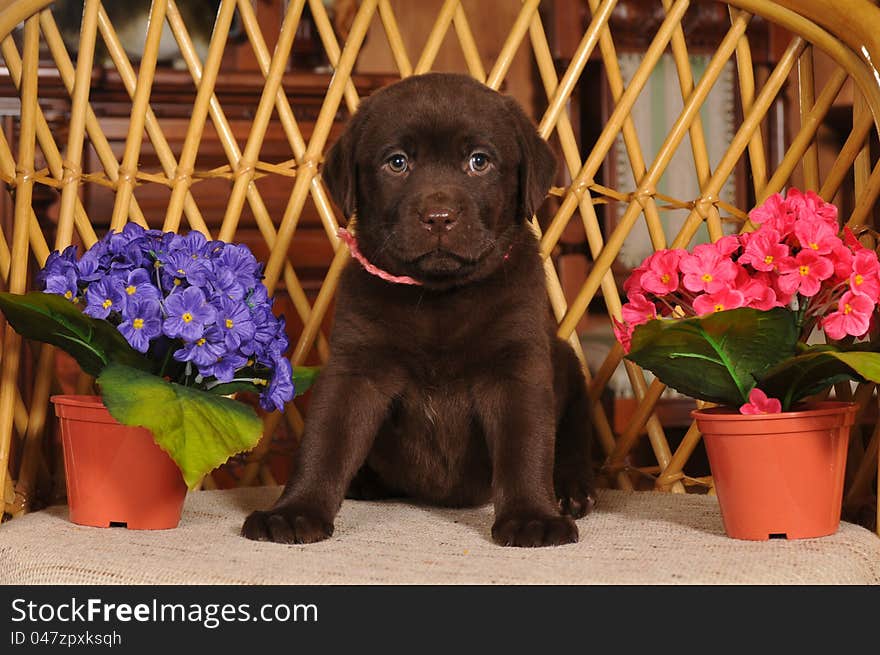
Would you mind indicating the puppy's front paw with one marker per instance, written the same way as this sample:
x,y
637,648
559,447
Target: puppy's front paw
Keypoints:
x,y
576,498
286,525
531,530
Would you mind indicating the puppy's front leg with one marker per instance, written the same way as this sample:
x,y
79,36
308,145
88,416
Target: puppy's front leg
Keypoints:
x,y
345,414
517,417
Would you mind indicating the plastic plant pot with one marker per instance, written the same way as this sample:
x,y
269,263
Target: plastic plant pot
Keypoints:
x,y
778,475
116,474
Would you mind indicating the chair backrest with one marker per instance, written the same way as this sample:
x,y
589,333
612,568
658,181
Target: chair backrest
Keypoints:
x,y
98,152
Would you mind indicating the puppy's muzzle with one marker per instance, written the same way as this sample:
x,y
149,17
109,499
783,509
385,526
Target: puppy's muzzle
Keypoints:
x,y
438,219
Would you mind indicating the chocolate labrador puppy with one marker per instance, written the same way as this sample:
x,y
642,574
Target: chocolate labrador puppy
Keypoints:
x,y
446,382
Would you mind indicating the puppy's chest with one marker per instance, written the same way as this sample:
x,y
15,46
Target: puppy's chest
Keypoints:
x,y
437,413
431,446
444,396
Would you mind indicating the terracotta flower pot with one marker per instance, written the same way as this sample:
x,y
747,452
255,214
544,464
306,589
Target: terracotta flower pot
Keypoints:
x,y
778,475
116,474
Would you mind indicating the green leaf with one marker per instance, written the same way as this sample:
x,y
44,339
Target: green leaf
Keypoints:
x,y
716,357
817,369
229,388
303,378
49,318
199,430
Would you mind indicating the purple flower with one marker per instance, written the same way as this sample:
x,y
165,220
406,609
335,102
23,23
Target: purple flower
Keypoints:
x,y
161,243
270,339
139,286
263,320
202,299
130,232
104,296
188,313
57,263
63,283
225,366
279,343
258,297
94,264
181,266
156,235
240,260
193,245
128,248
234,322
280,390
227,284
143,322
204,351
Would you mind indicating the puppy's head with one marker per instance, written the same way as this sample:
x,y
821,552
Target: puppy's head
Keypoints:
x,y
443,174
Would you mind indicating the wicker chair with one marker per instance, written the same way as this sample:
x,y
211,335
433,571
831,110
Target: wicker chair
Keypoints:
x,y
39,159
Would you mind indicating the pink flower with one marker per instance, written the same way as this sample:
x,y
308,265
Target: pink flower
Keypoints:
x,y
708,303
661,276
810,205
757,291
768,210
623,332
764,250
638,310
728,245
759,403
853,316
842,258
707,270
804,273
851,240
817,235
865,278
633,283
775,214
782,297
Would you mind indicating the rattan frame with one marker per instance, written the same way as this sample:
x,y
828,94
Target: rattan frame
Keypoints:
x,y
843,30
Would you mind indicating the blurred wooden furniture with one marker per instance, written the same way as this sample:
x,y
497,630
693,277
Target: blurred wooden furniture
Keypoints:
x,y
173,93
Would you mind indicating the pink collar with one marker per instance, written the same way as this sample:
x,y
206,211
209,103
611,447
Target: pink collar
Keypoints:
x,y
350,239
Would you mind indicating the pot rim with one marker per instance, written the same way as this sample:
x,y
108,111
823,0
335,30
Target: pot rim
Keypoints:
x,y
79,400
821,408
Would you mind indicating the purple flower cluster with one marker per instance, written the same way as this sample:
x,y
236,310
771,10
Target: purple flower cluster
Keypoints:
x,y
197,308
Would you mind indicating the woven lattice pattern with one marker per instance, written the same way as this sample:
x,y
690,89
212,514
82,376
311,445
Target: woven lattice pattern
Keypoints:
x,y
640,204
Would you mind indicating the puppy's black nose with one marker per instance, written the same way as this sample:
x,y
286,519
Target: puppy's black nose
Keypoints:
x,y
438,219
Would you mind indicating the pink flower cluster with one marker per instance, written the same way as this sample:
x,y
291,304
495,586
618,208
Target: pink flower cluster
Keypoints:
x,y
796,258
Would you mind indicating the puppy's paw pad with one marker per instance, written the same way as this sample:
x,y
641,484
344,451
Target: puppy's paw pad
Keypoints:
x,y
530,531
575,499
286,526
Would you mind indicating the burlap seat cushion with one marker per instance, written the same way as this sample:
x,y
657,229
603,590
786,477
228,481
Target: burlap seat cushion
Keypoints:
x,y
631,538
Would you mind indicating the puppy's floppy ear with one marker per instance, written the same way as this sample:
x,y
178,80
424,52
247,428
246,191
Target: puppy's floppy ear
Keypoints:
x,y
340,166
537,165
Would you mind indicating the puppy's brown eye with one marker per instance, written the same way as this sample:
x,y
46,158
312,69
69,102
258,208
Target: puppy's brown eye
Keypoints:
x,y
397,163
479,162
